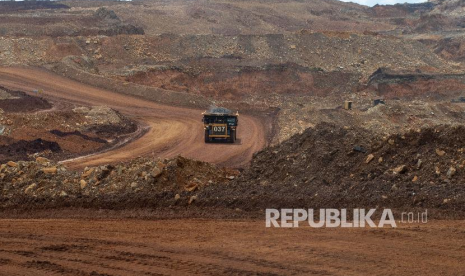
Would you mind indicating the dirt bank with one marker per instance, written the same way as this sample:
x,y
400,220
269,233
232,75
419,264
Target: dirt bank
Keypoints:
x,y
325,167
337,167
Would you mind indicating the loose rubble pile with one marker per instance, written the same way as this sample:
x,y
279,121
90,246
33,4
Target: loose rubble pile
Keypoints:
x,y
29,125
140,183
329,166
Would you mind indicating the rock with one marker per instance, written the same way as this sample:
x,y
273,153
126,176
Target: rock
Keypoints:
x,y
391,142
191,187
437,171
177,197
370,157
51,170
87,173
451,172
12,164
230,177
359,149
42,160
83,184
446,200
440,152
156,172
400,169
161,165
415,179
419,164
380,160
30,188
63,194
192,199
134,185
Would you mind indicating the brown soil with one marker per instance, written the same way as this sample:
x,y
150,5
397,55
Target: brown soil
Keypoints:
x,y
389,84
238,83
326,167
31,125
211,247
21,150
57,20
21,102
7,6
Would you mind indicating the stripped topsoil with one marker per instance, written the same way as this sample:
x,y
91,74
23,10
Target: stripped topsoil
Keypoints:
x,y
30,127
21,102
328,166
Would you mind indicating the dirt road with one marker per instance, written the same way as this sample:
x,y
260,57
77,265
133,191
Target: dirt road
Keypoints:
x,y
173,130
208,247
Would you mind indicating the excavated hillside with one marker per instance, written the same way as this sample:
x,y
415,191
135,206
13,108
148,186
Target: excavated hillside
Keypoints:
x,y
340,167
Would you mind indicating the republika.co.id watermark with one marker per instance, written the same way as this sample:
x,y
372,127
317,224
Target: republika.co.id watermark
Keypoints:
x,y
288,218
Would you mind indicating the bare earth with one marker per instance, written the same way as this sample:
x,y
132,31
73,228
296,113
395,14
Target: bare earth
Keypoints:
x,y
213,247
172,130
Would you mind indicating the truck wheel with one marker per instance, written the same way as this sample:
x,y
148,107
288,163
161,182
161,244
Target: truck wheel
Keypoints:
x,y
232,138
207,137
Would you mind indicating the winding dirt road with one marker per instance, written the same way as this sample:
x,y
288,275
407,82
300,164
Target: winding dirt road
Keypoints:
x,y
172,130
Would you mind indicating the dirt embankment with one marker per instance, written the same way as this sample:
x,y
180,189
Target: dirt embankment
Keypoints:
x,y
144,182
17,101
58,20
390,84
337,167
13,6
30,125
239,83
324,167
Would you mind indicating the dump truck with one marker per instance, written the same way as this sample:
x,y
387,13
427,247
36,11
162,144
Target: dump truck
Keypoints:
x,y
220,124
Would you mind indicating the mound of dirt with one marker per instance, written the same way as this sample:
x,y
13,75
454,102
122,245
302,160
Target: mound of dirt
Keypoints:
x,y
327,166
18,101
21,150
139,183
77,133
339,167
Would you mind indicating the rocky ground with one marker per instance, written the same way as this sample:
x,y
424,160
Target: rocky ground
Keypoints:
x,y
32,126
330,166
327,166
141,183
